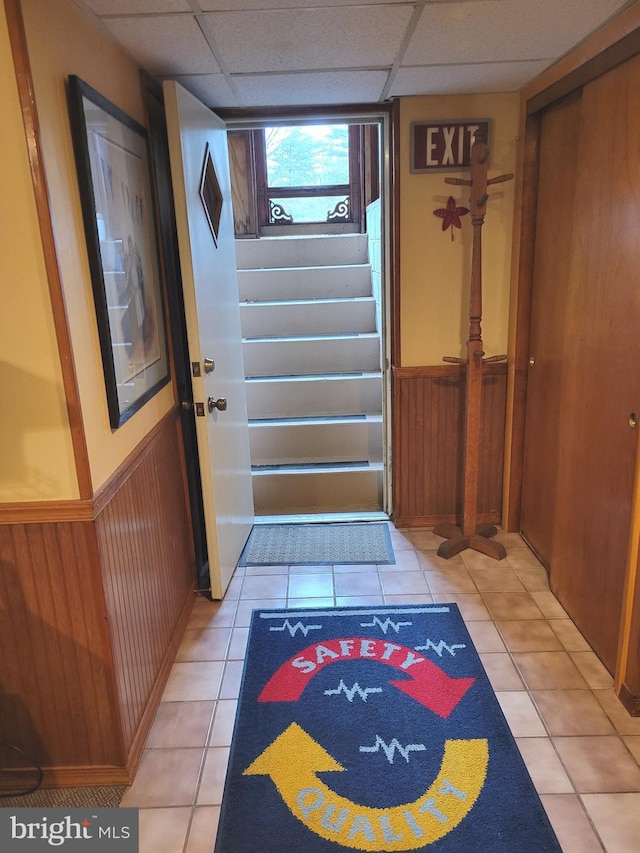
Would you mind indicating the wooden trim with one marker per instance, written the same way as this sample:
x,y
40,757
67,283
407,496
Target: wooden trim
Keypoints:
x,y
433,520
630,701
601,63
26,94
616,31
46,512
81,777
258,117
524,234
440,371
395,296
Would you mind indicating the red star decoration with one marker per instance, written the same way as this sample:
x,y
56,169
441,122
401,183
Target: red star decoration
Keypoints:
x,y
451,214
86,822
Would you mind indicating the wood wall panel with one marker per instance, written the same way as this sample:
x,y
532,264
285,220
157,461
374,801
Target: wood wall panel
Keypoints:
x,y
428,440
91,613
56,689
145,547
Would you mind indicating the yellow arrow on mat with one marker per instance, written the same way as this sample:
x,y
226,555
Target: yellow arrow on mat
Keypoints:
x,y
294,759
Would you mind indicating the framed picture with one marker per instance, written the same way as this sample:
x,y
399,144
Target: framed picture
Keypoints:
x,y
114,175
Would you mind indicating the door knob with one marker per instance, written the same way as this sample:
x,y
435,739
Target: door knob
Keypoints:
x,y
532,361
220,404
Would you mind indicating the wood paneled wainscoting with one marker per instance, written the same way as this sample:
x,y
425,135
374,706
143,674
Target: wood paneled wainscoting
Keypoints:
x,y
428,444
94,596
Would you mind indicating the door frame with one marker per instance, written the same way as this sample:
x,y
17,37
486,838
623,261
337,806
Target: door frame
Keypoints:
x,y
386,115
179,351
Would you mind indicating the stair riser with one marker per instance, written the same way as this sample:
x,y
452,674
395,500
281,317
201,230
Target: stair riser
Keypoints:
x,y
327,282
330,318
347,395
328,442
313,492
288,357
273,252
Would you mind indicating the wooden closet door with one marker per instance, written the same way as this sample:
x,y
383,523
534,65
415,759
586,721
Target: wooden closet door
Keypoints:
x,y
559,139
593,453
602,372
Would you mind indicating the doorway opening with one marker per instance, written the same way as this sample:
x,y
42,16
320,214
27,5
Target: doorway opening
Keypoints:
x,y
311,221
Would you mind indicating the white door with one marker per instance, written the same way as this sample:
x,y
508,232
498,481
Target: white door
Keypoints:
x,y
202,192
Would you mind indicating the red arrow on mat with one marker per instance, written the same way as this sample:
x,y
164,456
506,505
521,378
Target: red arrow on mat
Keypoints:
x,y
428,684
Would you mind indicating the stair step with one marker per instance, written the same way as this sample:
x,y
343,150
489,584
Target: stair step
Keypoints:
x,y
335,488
316,440
305,282
280,318
271,252
314,395
312,354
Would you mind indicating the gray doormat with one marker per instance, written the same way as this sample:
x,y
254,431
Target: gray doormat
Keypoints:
x,y
104,797
318,544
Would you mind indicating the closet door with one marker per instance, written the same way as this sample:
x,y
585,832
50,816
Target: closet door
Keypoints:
x,y
593,446
559,140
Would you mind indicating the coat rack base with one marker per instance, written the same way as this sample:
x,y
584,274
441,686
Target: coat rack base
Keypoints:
x,y
481,540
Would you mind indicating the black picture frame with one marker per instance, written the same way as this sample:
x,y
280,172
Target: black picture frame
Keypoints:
x,y
114,176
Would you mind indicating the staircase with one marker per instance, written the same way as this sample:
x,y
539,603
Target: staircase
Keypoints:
x,y
313,378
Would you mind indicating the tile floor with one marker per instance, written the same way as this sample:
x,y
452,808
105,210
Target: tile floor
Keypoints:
x,y
581,746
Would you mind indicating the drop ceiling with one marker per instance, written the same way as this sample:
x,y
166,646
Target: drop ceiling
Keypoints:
x,y
261,53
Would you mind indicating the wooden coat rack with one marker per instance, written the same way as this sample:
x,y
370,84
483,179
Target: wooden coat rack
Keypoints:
x,y
470,534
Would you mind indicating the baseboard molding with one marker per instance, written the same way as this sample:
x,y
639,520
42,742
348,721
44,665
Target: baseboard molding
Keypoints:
x,y
432,520
630,701
84,777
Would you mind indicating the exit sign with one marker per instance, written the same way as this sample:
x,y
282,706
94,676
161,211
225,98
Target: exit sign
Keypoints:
x,y
444,145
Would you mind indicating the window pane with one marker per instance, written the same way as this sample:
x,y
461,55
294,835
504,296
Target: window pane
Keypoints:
x,y
309,156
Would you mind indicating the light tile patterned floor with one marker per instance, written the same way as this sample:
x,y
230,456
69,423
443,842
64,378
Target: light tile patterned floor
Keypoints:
x,y
580,745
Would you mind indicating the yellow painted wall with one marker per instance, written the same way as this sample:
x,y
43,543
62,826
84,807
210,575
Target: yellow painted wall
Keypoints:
x,y
435,271
36,454
63,40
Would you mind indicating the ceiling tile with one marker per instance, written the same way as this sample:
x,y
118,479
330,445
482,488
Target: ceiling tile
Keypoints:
x,y
212,89
136,7
493,30
309,39
339,87
465,79
165,44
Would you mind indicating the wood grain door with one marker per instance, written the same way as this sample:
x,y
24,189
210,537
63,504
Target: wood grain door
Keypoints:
x,y
590,329
559,141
